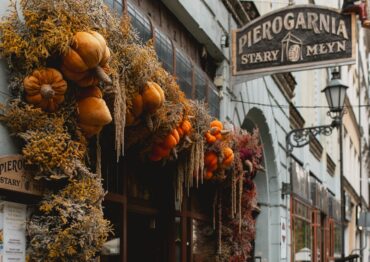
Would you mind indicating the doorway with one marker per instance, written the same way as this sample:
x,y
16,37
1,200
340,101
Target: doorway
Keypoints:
x,y
143,239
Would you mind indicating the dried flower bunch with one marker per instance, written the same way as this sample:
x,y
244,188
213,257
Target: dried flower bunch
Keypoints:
x,y
49,150
70,226
41,40
234,195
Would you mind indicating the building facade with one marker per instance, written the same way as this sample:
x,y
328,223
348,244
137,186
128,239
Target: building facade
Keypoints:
x,y
193,41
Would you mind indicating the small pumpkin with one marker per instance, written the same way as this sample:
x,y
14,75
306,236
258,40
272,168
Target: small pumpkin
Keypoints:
x,y
210,161
158,152
45,88
135,112
210,138
93,112
153,97
228,156
179,131
86,61
208,175
170,141
218,124
186,127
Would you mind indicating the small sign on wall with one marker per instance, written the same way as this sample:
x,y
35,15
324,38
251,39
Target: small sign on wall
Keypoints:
x,y
14,177
12,232
294,38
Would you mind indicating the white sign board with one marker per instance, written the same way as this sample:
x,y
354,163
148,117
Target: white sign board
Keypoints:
x,y
12,232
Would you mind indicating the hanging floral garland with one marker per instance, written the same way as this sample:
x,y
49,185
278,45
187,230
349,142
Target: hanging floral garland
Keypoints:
x,y
71,64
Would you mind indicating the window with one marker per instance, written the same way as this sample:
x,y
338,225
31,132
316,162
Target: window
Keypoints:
x,y
213,101
337,240
184,73
164,49
115,5
302,232
200,84
140,23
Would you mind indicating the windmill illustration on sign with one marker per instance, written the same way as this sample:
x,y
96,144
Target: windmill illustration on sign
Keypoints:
x,y
291,48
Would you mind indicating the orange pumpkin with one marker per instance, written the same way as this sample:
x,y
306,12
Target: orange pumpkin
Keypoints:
x,y
45,88
210,161
135,112
89,92
218,124
153,97
170,141
180,132
158,152
208,175
93,113
186,127
210,138
176,135
86,61
228,156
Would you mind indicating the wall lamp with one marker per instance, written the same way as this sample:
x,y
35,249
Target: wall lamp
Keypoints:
x,y
335,93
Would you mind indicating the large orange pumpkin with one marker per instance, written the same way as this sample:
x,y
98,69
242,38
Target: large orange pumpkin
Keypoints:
x,y
153,97
86,61
93,113
45,88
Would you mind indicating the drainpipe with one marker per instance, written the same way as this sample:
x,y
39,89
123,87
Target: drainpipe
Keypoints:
x,y
342,204
360,153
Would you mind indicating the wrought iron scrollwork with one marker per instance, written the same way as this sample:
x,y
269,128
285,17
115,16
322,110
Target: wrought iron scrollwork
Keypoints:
x,y
301,137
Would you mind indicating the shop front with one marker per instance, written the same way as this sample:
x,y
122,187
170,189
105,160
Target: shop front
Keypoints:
x,y
315,217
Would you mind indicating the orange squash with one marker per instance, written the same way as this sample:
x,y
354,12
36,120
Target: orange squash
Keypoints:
x,y
210,161
208,175
186,127
45,88
218,124
170,141
158,152
86,61
179,131
210,138
135,112
88,92
228,156
153,97
175,133
93,113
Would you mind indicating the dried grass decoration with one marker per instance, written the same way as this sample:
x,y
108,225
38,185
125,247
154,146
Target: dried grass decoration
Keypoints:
x,y
50,151
39,34
70,225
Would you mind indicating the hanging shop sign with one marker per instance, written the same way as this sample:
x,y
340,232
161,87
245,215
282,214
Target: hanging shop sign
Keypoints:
x,y
14,177
294,38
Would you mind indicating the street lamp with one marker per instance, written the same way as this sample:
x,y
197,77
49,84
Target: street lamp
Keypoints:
x,y
335,93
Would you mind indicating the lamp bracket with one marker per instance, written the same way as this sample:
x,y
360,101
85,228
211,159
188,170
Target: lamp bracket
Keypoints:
x,y
301,137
